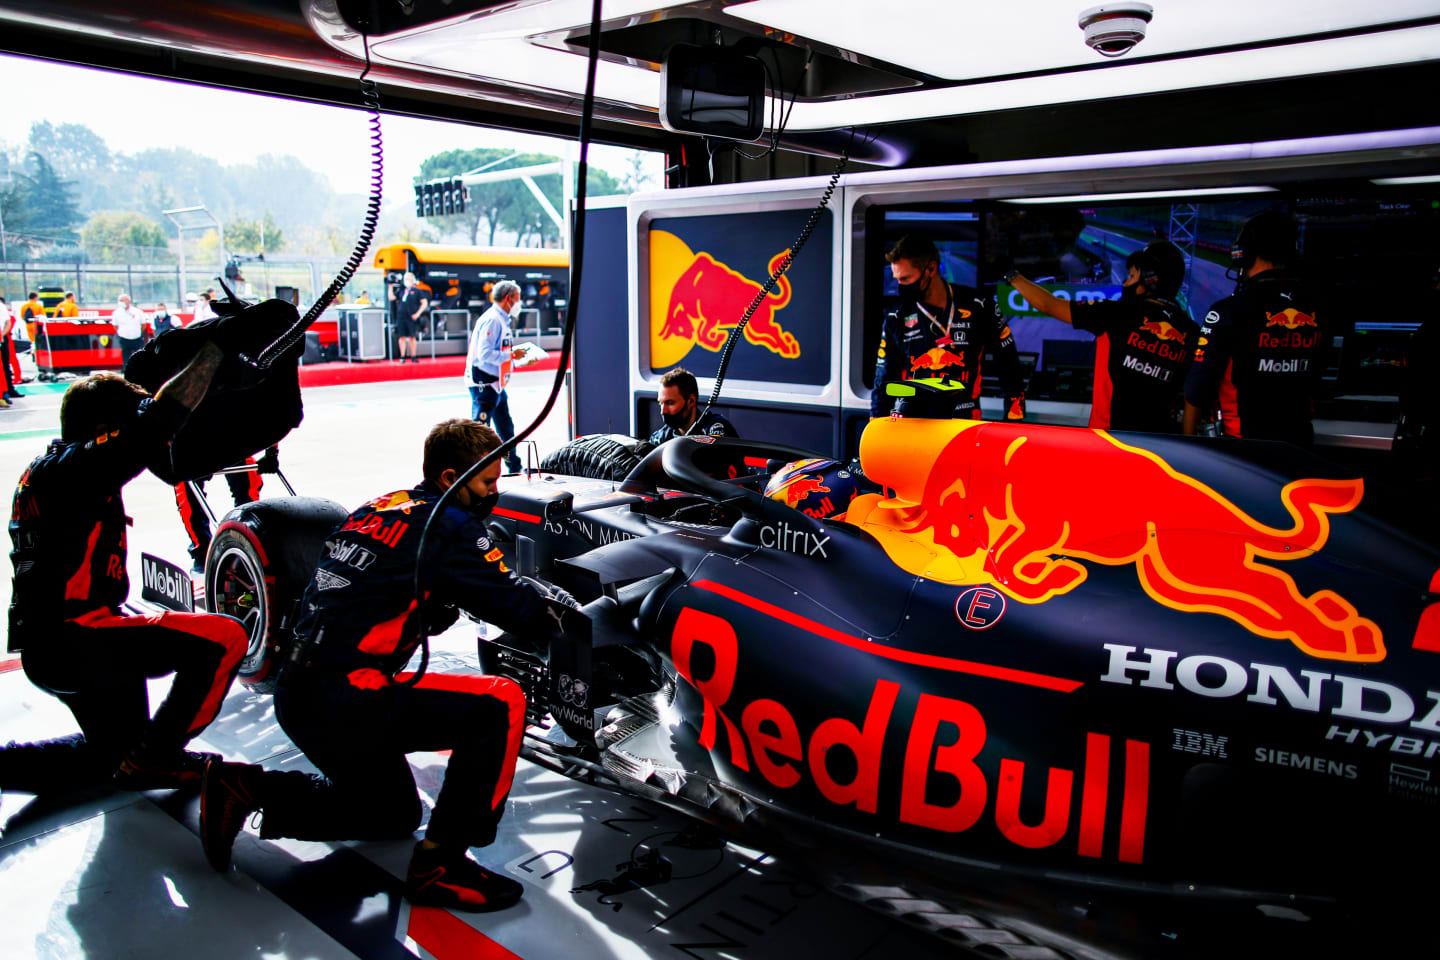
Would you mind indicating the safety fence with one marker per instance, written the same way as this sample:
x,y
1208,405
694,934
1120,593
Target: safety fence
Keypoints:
x,y
99,284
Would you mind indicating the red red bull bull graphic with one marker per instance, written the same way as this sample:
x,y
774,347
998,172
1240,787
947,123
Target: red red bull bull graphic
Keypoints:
x,y
945,739
705,272
936,358
1016,506
1300,330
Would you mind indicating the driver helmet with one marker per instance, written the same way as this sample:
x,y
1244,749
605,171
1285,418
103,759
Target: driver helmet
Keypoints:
x,y
817,488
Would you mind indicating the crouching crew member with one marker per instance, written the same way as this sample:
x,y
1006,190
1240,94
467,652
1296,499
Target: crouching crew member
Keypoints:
x,y
1261,349
1144,341
941,330
679,399
342,702
67,525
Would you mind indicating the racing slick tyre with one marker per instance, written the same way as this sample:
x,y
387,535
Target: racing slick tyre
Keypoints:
x,y
261,558
600,456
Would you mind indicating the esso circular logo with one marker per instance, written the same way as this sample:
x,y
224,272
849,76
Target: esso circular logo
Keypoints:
x,y
980,608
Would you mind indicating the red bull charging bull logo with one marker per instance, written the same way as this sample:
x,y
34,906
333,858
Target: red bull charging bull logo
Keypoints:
x,y
937,358
1025,508
695,300
1290,319
1162,330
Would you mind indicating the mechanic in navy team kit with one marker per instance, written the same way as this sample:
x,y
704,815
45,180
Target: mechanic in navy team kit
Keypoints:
x,y
941,330
68,529
1262,348
341,700
679,399
1143,341
244,487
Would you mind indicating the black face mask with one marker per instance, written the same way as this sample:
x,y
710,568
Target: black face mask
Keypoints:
x,y
677,421
913,292
1130,291
482,506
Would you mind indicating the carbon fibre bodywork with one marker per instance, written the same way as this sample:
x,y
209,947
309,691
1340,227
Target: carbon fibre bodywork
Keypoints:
x,y
1003,685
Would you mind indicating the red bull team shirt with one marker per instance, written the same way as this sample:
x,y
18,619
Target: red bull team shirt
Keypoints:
x,y
1259,360
1143,348
919,341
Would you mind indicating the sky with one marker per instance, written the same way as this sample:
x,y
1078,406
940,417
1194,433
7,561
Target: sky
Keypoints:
x,y
133,113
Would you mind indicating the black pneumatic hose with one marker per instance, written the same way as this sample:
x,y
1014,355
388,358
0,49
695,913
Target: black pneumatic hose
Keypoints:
x,y
371,95
790,256
577,260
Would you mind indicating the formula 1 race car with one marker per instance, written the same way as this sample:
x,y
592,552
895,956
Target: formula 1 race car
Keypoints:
x,y
1055,689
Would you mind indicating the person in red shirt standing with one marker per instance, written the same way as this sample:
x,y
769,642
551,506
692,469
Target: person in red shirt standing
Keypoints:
x,y
1144,340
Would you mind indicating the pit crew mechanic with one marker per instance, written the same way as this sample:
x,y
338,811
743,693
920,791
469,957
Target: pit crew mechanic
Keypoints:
x,y
679,399
341,700
1261,349
1143,341
67,525
941,330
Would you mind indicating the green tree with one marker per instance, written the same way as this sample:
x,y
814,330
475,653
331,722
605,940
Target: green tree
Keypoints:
x,y
47,200
79,154
125,237
254,236
528,219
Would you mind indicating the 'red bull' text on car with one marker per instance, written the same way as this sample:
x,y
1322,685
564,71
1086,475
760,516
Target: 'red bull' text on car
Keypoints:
x,y
1101,683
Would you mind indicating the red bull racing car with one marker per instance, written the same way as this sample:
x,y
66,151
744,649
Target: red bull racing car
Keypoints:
x,y
1065,690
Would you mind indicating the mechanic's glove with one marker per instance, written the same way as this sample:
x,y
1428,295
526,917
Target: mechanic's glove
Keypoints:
x,y
269,462
1015,408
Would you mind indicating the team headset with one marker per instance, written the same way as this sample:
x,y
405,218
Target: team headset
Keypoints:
x,y
1150,262
1272,235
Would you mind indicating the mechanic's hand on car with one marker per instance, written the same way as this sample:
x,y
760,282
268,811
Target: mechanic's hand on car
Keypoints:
x,y
551,592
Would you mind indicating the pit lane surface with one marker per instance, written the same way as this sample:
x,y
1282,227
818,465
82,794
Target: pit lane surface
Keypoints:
x,y
115,874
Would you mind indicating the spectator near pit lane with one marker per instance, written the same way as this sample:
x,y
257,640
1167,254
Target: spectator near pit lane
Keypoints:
x,y
162,321
944,330
410,306
1143,342
129,323
1261,349
68,530
679,399
343,703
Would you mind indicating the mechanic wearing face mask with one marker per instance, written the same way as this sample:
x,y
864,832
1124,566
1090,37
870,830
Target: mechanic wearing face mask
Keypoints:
x,y
679,399
1261,350
340,699
941,330
1143,341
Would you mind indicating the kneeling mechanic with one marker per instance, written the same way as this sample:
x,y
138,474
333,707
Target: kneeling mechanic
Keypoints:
x,y
342,702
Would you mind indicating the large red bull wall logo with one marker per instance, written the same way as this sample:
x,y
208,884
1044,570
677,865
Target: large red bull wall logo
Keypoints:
x,y
701,305
1026,508
706,271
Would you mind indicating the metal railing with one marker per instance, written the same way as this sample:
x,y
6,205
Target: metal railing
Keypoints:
x,y
100,284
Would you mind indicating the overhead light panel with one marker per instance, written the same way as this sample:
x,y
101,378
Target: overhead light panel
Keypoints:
x,y
1142,195
1404,181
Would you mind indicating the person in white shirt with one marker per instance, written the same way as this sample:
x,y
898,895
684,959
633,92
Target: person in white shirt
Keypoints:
x,y
129,323
203,310
489,365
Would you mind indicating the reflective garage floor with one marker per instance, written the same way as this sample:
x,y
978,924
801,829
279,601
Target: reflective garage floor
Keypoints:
x,y
119,875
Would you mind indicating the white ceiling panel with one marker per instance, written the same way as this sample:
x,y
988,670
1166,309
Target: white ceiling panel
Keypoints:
x,y
968,40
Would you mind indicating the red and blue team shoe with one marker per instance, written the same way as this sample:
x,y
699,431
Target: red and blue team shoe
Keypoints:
x,y
447,878
229,793
146,769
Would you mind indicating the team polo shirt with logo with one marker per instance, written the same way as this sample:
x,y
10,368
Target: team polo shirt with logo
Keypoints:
x,y
1142,350
1259,360
921,340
